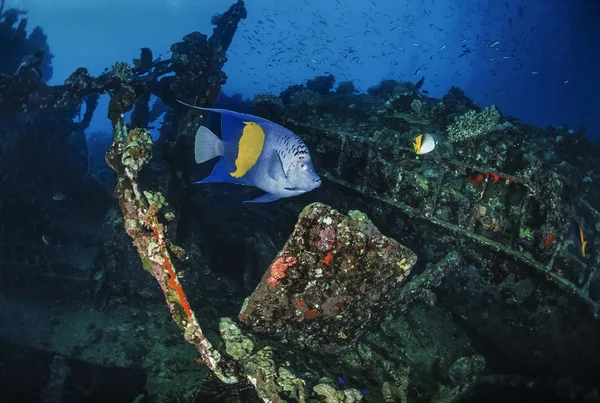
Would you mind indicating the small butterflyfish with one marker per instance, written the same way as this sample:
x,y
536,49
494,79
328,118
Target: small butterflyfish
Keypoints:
x,y
256,152
424,143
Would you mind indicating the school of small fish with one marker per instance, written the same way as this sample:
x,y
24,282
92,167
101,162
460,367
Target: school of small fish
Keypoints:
x,y
333,42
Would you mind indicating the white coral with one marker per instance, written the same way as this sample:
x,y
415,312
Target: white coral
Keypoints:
x,y
473,124
307,97
271,98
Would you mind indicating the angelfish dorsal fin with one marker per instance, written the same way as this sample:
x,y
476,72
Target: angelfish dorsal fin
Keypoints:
x,y
249,148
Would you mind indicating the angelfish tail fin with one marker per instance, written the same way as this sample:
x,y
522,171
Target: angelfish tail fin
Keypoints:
x,y
207,145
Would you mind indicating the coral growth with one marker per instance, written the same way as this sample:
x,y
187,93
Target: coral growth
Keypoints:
x,y
417,107
346,87
268,106
305,97
289,91
340,276
384,89
278,268
121,71
238,345
389,88
143,212
266,98
473,124
457,102
321,84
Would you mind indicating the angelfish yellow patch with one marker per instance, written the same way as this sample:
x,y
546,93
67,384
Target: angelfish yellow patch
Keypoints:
x,y
249,149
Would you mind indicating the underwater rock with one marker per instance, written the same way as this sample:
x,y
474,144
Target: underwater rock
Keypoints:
x,y
465,369
330,395
335,277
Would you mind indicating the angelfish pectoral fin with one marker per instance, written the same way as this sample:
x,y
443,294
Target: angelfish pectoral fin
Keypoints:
x,y
276,172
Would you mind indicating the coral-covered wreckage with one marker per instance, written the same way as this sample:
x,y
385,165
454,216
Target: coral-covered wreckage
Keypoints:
x,y
484,287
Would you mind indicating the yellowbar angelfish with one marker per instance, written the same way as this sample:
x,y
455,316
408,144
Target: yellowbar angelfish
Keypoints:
x,y
256,152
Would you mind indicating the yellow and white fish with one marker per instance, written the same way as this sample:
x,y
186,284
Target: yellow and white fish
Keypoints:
x,y
424,143
256,152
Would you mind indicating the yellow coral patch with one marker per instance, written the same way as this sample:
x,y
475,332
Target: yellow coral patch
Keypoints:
x,y
249,148
402,264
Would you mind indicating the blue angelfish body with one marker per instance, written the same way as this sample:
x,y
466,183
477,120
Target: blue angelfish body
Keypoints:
x,y
256,152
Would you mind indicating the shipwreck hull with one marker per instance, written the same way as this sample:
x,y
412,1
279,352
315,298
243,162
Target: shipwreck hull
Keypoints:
x,y
522,288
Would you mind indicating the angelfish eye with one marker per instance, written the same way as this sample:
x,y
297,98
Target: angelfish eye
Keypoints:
x,y
303,166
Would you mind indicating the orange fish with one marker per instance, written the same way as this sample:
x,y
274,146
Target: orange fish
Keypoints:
x,y
476,177
311,314
494,177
